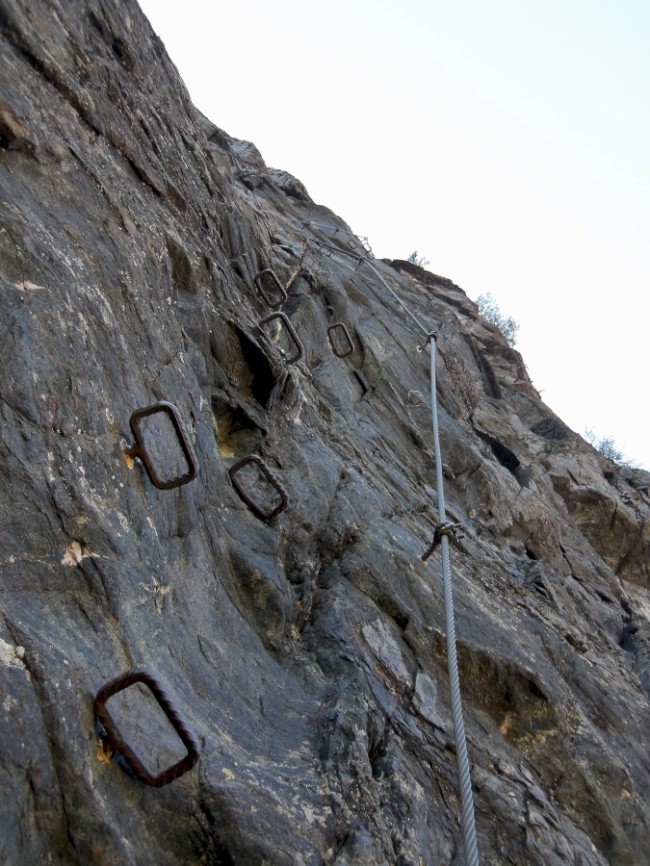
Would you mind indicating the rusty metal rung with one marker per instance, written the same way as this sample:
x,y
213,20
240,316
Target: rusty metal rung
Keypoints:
x,y
339,328
295,339
253,504
139,449
269,274
117,742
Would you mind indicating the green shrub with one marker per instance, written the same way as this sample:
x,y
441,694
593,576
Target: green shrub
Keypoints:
x,y
415,259
606,446
554,446
489,309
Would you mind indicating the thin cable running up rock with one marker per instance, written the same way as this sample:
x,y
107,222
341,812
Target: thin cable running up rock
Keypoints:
x,y
404,306
468,820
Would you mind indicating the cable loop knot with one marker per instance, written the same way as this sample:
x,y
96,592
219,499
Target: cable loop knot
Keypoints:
x,y
450,529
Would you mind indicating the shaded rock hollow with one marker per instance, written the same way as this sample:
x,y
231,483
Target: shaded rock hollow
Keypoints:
x,y
306,652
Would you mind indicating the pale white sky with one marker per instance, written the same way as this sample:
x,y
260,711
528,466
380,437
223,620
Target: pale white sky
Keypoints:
x,y
507,142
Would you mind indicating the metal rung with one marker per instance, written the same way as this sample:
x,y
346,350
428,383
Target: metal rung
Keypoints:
x,y
295,339
139,449
269,275
117,742
253,504
340,329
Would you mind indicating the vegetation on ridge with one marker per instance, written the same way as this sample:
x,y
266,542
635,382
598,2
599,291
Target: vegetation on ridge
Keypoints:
x,y
418,260
608,448
489,309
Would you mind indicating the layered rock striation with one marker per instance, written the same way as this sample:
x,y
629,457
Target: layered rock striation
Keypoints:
x,y
305,651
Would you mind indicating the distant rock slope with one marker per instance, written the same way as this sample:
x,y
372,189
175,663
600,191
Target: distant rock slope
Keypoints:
x,y
307,651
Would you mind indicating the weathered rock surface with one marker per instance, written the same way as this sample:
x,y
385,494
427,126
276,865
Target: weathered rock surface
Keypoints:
x,y
306,652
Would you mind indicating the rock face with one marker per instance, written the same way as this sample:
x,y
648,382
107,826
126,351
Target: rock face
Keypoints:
x,y
305,651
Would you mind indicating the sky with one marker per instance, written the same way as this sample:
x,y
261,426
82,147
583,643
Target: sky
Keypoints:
x,y
507,142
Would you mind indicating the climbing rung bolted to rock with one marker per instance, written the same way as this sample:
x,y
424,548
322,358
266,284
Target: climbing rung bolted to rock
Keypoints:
x,y
340,340
264,279
258,508
289,329
142,450
117,742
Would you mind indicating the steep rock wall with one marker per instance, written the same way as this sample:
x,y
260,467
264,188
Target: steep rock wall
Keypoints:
x,y
306,652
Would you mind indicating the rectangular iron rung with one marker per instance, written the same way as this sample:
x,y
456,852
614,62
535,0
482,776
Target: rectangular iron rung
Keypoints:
x,y
286,324
269,275
338,328
117,742
139,449
253,504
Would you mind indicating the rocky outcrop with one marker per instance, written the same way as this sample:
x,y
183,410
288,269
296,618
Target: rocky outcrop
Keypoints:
x,y
305,651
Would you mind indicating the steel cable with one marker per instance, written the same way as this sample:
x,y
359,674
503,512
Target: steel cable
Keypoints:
x,y
468,820
406,309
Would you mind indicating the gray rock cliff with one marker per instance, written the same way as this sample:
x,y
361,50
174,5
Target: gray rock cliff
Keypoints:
x,y
306,652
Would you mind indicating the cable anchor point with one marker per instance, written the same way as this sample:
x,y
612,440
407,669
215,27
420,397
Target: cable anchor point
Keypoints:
x,y
432,335
450,529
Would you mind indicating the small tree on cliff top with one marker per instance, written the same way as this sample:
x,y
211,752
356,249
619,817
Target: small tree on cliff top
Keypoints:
x,y
489,309
418,260
608,448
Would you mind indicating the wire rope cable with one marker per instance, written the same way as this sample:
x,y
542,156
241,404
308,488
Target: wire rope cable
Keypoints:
x,y
468,819
404,306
